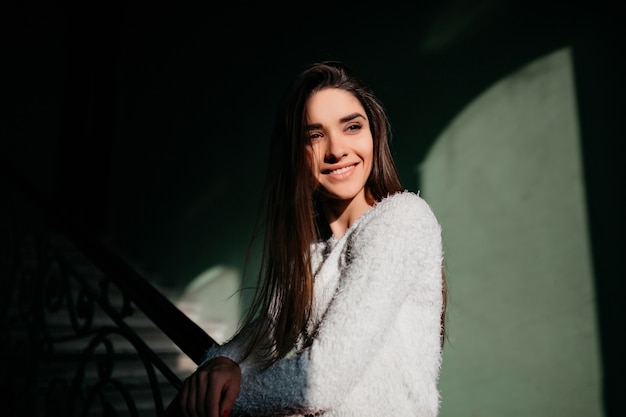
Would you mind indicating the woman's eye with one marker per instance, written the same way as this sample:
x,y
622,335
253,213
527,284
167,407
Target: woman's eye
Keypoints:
x,y
314,136
355,126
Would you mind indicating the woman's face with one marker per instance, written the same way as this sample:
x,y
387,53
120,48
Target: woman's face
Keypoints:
x,y
341,144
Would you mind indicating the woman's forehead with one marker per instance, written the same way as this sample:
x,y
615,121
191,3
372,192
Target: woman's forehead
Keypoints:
x,y
332,104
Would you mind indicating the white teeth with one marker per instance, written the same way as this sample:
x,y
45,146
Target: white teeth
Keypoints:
x,y
342,170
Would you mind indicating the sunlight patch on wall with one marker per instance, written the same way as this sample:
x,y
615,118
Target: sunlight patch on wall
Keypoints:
x,y
505,179
212,300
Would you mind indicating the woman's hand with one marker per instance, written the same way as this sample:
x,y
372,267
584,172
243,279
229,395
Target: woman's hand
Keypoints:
x,y
211,390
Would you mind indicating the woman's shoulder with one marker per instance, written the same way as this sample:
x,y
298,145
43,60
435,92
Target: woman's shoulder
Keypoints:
x,y
403,213
401,221
404,206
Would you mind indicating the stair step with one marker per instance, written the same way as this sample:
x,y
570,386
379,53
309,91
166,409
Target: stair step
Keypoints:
x,y
63,360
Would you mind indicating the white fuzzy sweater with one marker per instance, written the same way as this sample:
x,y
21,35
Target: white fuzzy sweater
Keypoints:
x,y
377,308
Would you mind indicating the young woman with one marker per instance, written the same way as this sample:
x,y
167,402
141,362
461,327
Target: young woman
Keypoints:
x,y
347,319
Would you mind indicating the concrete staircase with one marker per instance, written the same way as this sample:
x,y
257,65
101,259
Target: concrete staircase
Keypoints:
x,y
70,368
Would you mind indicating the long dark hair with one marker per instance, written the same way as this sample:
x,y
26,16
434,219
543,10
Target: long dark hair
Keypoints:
x,y
292,221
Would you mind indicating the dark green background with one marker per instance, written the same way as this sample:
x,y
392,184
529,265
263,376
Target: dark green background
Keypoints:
x,y
149,122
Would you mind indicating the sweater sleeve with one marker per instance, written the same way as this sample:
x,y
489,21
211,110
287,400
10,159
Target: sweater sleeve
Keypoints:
x,y
234,350
390,255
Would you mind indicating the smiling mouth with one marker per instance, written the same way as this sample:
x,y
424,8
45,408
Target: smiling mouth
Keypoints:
x,y
339,170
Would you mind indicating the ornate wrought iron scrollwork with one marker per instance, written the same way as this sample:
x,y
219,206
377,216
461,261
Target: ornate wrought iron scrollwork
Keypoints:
x,y
62,294
68,333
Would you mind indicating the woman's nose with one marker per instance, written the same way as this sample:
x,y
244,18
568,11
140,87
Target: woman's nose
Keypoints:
x,y
336,148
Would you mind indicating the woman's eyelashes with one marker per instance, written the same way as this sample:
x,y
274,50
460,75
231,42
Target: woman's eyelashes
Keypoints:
x,y
354,126
316,135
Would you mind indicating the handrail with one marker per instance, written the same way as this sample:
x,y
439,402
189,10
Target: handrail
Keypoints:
x,y
180,329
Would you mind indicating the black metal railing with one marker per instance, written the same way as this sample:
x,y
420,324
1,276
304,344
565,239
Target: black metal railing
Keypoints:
x,y
82,332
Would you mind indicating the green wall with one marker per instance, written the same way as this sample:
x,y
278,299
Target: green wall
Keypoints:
x,y
506,180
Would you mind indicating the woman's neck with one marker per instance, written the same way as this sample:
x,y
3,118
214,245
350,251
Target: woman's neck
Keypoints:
x,y
341,214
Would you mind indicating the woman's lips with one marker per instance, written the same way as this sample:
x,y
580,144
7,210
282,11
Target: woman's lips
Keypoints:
x,y
342,172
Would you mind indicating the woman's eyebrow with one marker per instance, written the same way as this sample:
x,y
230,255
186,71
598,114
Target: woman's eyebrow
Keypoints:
x,y
351,117
313,126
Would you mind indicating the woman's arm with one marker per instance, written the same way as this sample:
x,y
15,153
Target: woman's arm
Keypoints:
x,y
391,255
